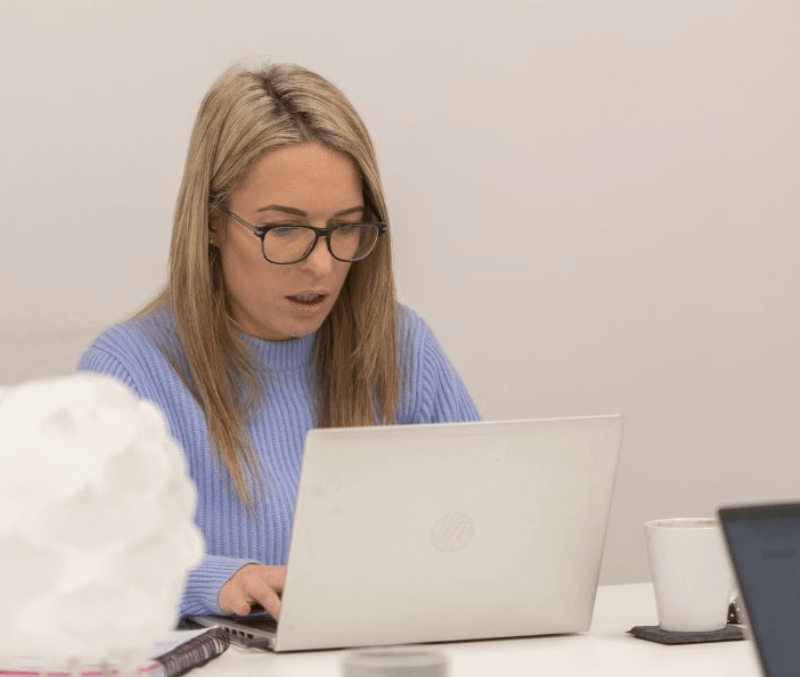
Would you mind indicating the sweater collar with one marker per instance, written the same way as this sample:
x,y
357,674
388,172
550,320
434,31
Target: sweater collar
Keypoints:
x,y
289,354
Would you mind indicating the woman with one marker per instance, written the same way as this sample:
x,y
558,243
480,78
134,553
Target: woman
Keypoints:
x,y
279,315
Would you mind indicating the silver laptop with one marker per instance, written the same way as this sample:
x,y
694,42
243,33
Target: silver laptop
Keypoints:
x,y
764,544
443,532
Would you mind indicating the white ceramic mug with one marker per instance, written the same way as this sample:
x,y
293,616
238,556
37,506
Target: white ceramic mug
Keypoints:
x,y
691,573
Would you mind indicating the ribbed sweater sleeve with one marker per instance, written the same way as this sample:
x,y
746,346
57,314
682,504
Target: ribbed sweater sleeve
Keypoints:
x,y
132,353
135,353
433,392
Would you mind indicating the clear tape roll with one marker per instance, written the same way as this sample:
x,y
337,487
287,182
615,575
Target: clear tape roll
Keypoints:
x,y
395,662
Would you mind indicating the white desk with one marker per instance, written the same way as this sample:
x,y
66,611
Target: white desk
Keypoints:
x,y
605,651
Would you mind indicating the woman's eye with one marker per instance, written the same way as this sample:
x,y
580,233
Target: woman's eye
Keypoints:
x,y
283,231
347,227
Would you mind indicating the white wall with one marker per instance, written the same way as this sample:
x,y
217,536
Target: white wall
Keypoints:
x,y
595,204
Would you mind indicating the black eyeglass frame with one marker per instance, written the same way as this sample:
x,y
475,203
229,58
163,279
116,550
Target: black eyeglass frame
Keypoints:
x,y
261,232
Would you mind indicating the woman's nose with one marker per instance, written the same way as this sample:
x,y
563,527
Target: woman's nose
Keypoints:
x,y
319,261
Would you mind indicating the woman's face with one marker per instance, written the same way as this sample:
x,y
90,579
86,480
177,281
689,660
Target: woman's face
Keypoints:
x,y
306,183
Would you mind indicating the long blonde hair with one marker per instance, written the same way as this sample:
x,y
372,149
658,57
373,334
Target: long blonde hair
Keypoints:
x,y
246,112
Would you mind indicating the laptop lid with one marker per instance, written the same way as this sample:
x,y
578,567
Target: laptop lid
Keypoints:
x,y
442,532
764,545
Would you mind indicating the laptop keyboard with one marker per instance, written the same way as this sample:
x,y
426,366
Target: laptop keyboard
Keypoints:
x,y
264,623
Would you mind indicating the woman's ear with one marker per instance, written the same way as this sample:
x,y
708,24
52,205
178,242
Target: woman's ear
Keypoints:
x,y
216,232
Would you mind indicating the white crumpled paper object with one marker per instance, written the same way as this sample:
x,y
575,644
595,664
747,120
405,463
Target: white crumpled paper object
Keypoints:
x,y
96,528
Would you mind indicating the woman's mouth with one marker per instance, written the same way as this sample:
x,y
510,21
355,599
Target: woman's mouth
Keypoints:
x,y
308,300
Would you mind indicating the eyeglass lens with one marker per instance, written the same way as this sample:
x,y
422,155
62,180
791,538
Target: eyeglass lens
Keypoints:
x,y
350,242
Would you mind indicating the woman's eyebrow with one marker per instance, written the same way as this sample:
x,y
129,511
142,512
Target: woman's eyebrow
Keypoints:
x,y
300,212
283,208
344,212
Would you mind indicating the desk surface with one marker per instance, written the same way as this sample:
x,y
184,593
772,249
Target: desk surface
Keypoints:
x,y
605,650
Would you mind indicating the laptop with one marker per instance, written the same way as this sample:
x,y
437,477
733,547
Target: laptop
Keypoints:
x,y
443,532
764,545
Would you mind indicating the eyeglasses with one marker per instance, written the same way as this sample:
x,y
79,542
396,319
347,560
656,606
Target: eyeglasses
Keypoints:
x,y
284,243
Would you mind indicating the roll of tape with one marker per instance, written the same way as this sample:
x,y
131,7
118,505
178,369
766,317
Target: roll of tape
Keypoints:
x,y
395,662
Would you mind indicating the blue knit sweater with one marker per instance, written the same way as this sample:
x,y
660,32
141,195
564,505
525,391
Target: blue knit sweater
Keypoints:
x,y
132,353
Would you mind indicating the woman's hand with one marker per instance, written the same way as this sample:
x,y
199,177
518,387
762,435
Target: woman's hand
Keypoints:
x,y
253,584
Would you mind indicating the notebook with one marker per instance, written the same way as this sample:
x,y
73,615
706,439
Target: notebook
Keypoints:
x,y
443,532
764,545
174,656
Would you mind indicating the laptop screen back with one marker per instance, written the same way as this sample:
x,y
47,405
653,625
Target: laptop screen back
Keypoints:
x,y
764,544
395,524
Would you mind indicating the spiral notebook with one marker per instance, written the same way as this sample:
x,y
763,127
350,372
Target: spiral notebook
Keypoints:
x,y
178,653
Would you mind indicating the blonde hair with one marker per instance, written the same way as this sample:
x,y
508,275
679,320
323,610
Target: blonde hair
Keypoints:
x,y
246,112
